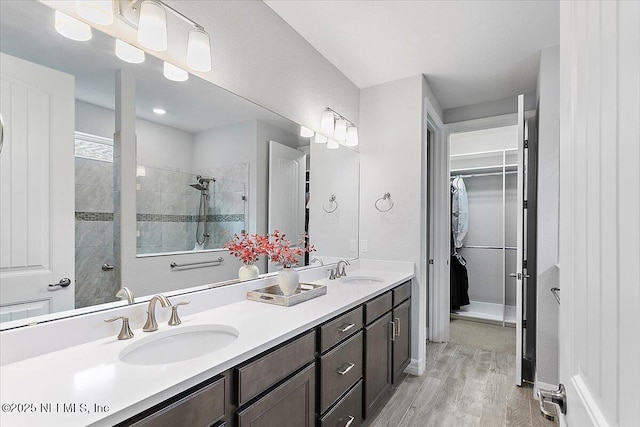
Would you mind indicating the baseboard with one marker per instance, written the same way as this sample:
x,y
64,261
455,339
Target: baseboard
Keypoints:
x,y
416,367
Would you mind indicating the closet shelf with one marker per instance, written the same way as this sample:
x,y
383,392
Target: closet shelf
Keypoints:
x,y
481,154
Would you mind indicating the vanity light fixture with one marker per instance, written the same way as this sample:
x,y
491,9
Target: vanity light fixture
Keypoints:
x,y
97,11
129,53
199,50
320,139
332,144
176,74
327,122
352,136
159,111
340,132
71,28
306,132
339,128
152,26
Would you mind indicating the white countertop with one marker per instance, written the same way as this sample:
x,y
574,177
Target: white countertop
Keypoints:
x,y
91,375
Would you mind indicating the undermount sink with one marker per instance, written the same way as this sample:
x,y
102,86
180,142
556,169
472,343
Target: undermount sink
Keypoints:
x,y
361,280
178,344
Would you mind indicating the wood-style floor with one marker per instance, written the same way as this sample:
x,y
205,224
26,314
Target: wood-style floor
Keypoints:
x,y
463,386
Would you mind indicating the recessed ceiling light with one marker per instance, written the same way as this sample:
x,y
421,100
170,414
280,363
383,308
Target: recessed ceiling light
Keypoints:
x,y
160,111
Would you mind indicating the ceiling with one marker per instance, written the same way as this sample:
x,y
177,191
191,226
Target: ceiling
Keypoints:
x,y
27,32
470,51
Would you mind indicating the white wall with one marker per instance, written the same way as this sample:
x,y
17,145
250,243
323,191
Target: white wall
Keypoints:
x,y
499,138
548,205
392,126
157,144
334,172
488,109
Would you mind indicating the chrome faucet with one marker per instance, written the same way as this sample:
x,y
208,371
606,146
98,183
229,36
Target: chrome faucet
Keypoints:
x,y
343,272
316,259
151,324
126,292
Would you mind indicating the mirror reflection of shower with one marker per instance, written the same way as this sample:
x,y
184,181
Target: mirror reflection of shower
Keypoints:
x,y
202,185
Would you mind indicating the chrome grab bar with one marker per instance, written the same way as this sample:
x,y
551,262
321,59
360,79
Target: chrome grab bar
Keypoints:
x,y
175,265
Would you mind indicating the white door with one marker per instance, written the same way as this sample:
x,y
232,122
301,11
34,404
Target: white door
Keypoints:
x,y
36,228
520,253
600,212
287,168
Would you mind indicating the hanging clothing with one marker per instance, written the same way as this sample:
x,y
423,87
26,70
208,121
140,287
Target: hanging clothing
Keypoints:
x,y
459,211
459,279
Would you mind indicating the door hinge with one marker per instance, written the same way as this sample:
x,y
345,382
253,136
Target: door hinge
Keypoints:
x,y
526,143
524,263
524,324
526,204
244,198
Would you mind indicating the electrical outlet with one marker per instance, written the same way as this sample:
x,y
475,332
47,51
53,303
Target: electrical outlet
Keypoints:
x,y
364,245
353,245
137,186
137,233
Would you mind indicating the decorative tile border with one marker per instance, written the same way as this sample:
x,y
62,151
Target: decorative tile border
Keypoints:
x,y
94,216
108,216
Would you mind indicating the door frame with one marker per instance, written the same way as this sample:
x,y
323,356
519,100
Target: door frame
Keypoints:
x,y
439,287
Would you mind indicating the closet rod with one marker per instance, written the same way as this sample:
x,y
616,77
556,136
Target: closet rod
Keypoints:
x,y
509,248
485,174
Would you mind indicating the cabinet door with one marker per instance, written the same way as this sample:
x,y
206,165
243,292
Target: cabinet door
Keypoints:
x,y
290,405
402,341
377,362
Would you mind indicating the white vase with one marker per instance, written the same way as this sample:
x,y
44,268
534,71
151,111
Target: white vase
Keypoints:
x,y
288,280
248,272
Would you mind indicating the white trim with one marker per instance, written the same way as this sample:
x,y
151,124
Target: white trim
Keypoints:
x,y
435,168
416,367
589,402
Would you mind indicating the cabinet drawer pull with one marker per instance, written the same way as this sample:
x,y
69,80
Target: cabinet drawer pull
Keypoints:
x,y
346,327
393,330
345,368
351,420
396,322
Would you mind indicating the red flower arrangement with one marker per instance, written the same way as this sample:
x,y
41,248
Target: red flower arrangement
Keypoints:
x,y
280,250
248,247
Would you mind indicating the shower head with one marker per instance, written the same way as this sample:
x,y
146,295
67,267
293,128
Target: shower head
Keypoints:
x,y
202,184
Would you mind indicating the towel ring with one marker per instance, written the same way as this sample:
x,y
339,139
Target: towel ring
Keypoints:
x,y
332,200
387,196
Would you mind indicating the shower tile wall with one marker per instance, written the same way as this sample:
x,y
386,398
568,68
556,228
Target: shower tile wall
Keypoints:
x,y
167,211
94,232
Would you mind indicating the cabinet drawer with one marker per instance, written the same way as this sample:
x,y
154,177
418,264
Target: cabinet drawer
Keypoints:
x,y
401,293
340,369
264,372
338,329
348,412
292,404
200,408
377,307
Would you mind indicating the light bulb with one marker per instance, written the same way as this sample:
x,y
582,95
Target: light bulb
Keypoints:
x,y
129,53
97,11
320,139
199,50
333,144
352,136
306,132
341,130
152,26
326,123
174,73
71,28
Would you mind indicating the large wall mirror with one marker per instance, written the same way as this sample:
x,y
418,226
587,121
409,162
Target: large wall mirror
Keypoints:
x,y
208,164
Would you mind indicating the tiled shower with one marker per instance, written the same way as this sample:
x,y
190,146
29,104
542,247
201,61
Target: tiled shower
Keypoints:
x,y
167,215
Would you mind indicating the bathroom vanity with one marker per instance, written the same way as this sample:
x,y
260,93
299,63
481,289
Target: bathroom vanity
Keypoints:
x,y
329,361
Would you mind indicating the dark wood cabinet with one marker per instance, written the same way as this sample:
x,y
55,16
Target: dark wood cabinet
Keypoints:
x,y
377,363
402,340
292,404
336,374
